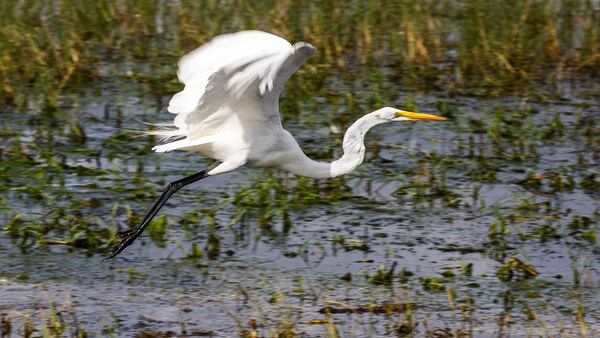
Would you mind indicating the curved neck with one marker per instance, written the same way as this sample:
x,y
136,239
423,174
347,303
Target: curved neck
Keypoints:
x,y
354,152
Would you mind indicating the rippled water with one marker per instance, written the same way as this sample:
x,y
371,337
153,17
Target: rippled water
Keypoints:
x,y
288,271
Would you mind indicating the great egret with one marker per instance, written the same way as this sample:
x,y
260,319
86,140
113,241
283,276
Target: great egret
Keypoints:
x,y
228,111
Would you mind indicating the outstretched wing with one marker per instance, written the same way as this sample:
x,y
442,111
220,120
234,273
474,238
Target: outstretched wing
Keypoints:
x,y
239,75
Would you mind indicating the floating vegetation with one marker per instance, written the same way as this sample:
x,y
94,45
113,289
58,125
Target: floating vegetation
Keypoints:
x,y
489,216
377,309
513,268
433,284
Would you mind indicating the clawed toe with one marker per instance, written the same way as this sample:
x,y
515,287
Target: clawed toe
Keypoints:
x,y
115,250
125,238
124,234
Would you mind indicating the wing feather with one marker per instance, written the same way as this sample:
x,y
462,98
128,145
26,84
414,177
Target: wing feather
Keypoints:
x,y
246,69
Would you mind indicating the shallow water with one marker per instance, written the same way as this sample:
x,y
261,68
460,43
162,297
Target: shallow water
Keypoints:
x,y
286,271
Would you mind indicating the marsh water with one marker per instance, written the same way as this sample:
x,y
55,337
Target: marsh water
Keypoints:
x,y
483,225
443,203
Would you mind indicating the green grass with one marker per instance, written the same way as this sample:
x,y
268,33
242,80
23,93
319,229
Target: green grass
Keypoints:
x,y
475,46
71,179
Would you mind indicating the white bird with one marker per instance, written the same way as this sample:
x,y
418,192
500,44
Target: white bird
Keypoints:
x,y
229,111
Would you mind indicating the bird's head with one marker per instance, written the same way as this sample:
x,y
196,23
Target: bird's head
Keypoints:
x,y
389,114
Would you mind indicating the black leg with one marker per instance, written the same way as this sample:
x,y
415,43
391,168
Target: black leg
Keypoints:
x,y
127,237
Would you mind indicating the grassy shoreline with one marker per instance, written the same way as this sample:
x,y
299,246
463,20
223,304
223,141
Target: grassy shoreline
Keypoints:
x,y
476,47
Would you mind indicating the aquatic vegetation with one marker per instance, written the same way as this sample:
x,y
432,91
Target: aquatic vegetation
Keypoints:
x,y
515,267
456,230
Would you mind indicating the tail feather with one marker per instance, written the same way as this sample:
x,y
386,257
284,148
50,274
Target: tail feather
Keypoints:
x,y
182,144
164,148
171,138
166,132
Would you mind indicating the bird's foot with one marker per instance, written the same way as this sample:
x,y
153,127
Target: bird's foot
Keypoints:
x,y
125,239
124,234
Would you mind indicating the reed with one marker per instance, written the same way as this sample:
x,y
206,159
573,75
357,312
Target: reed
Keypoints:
x,y
484,47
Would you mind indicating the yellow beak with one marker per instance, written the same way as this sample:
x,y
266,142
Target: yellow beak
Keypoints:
x,y
419,116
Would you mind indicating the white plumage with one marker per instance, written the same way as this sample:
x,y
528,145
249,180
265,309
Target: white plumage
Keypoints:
x,y
235,78
228,111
